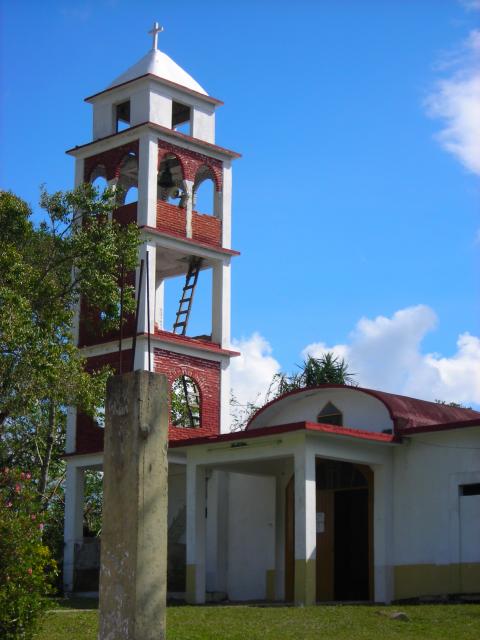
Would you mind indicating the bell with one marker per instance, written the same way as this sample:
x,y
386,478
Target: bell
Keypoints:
x,y
165,179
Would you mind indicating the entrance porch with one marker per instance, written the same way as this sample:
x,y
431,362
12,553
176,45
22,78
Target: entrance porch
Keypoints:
x,y
303,514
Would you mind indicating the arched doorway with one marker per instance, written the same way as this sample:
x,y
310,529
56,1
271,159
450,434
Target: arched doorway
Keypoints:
x,y
344,520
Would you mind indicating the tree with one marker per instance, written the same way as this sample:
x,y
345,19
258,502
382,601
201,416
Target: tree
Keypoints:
x,y
328,369
76,251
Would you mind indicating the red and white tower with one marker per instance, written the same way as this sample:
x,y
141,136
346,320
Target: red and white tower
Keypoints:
x,y
154,136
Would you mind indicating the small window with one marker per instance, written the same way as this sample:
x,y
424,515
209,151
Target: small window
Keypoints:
x,y
330,415
181,115
122,116
185,403
470,489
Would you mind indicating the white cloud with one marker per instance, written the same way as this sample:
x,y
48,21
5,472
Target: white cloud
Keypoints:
x,y
471,5
252,371
456,101
386,354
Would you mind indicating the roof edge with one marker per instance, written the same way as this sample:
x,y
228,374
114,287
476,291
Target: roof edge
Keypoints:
x,y
170,83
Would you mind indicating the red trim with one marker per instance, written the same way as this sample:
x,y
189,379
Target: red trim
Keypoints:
x,y
444,426
203,345
286,428
170,83
168,132
278,429
212,247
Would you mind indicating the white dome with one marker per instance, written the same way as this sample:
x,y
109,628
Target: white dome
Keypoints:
x,y
159,64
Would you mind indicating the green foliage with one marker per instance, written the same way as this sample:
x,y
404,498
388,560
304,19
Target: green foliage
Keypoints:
x,y
76,252
26,567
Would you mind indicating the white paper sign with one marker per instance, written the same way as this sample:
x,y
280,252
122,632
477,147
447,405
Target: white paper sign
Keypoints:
x,y
320,521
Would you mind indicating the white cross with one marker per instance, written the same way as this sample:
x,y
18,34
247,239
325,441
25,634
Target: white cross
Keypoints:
x,y
155,31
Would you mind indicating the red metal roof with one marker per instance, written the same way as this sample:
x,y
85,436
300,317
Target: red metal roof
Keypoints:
x,y
406,413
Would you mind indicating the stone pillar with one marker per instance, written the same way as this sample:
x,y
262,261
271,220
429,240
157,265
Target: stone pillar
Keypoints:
x,y
305,529
195,591
133,571
73,533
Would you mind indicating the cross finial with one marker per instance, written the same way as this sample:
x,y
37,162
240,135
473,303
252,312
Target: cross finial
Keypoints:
x,y
155,31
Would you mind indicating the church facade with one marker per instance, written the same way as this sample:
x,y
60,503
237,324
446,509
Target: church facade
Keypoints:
x,y
331,493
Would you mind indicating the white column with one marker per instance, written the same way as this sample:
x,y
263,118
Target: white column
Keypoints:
x,y
151,259
147,181
383,532
217,532
189,207
221,300
227,205
79,172
159,303
195,591
305,529
73,529
71,430
280,537
225,416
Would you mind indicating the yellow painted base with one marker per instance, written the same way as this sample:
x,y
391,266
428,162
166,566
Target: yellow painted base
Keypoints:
x,y
305,582
414,580
270,584
191,580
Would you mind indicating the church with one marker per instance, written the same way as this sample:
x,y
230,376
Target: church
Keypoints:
x,y
333,493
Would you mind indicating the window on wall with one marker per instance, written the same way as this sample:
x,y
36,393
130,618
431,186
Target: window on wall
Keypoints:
x,y
181,117
185,403
122,116
330,415
470,489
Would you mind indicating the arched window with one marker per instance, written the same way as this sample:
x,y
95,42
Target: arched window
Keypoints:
x,y
185,403
330,415
170,181
204,193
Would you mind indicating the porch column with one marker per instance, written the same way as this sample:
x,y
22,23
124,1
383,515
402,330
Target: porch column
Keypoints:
x,y
305,529
73,530
280,537
195,587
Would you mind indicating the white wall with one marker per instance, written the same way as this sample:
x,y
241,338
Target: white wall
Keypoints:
x,y
360,410
251,530
427,506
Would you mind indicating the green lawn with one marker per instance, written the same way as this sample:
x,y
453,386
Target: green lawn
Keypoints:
x,y
448,622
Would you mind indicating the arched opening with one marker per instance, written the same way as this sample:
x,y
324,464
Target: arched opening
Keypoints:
x,y
170,185
185,403
98,179
127,180
330,415
204,193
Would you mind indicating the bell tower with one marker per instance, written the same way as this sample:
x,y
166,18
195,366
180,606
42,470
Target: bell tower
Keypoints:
x,y
154,136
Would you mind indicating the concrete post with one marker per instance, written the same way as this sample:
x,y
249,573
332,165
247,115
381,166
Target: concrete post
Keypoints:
x,y
133,571
305,529
73,532
195,534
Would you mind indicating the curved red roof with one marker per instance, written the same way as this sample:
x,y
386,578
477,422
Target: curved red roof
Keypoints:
x,y
406,413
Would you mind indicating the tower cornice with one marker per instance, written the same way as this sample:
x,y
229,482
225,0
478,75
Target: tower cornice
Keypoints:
x,y
164,133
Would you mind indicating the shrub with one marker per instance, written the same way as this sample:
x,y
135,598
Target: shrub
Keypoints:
x,y
26,567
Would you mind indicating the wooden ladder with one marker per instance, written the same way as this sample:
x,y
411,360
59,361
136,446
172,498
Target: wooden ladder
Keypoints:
x,y
185,303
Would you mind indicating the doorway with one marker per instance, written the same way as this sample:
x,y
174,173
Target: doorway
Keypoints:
x,y
344,520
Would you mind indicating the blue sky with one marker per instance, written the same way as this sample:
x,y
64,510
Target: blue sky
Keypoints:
x,y
357,195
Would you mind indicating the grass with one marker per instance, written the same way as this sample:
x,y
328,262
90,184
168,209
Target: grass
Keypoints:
x,y
77,620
